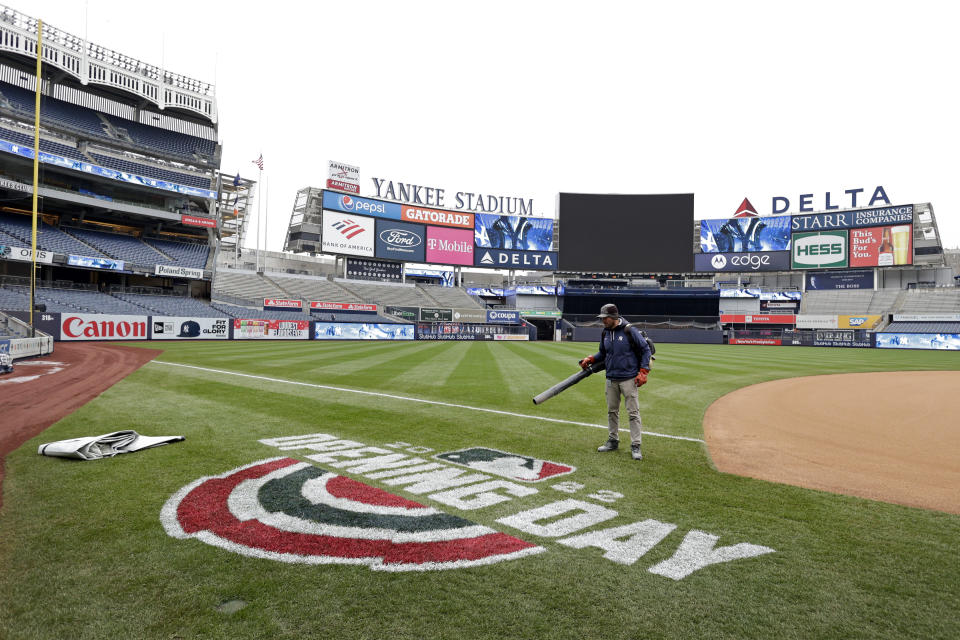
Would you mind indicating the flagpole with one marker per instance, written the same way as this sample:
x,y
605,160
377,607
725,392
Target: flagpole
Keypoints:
x,y
36,180
259,220
266,215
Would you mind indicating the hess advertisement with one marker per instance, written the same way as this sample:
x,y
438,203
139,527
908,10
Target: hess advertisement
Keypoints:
x,y
818,250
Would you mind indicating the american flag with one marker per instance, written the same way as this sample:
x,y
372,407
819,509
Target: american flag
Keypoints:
x,y
259,162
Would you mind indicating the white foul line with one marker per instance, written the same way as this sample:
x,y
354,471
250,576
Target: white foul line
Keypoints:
x,y
409,399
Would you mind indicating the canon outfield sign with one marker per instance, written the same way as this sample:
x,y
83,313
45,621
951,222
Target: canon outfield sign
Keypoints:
x,y
758,261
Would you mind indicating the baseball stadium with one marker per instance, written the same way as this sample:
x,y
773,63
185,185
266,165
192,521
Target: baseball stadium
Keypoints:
x,y
337,439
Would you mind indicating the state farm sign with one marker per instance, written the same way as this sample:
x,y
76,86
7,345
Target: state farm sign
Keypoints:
x,y
97,326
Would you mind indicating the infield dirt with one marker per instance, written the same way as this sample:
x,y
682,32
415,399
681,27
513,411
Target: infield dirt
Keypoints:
x,y
884,436
77,374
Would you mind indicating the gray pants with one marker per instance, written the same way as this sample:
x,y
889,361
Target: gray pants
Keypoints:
x,y
628,389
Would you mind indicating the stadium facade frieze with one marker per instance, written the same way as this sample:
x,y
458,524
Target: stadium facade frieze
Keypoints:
x,y
464,200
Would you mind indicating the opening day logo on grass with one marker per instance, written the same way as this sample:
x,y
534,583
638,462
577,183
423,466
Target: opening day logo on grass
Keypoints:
x,y
293,511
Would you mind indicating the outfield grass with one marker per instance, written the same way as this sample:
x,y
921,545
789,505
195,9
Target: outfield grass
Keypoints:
x,y
84,554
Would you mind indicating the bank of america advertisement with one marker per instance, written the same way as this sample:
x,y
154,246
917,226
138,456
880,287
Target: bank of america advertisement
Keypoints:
x,y
185,328
519,233
362,331
347,234
744,235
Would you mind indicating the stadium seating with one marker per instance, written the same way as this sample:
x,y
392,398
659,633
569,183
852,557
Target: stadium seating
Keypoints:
x,y
184,254
864,301
26,140
388,294
14,299
171,305
923,327
313,288
454,297
87,120
246,285
945,300
48,238
263,314
120,247
147,171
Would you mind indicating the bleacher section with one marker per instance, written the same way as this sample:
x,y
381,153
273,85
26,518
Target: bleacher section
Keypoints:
x,y
26,140
387,294
453,297
923,327
191,180
88,121
316,289
945,300
48,238
246,285
171,305
120,247
844,302
184,254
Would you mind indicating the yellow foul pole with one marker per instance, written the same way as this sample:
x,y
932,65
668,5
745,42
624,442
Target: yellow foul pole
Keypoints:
x,y
36,175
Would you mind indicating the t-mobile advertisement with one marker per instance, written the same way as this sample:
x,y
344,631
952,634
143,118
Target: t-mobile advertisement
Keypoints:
x,y
449,246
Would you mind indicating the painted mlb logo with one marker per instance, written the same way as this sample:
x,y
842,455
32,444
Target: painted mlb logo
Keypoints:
x,y
506,465
291,511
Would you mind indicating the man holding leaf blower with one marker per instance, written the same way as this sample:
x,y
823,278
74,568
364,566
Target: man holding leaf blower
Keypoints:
x,y
626,355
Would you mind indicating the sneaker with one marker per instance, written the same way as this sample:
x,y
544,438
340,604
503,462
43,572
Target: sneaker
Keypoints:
x,y
635,452
610,445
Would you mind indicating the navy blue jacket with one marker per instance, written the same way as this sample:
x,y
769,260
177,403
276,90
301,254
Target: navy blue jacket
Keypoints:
x,y
617,352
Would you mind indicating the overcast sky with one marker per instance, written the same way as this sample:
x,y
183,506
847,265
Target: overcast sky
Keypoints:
x,y
723,99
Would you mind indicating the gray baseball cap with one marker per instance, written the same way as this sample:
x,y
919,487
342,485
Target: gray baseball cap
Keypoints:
x,y
609,311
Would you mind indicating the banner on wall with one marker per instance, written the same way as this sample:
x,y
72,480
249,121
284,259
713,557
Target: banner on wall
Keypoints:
x,y
881,246
513,233
99,326
400,241
347,234
830,281
449,246
934,341
342,306
757,319
23,254
185,328
280,304
362,331
859,322
256,329
745,235
820,250
807,321
95,263
431,314
411,314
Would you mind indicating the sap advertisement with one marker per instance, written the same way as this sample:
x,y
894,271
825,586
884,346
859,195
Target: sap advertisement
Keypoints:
x,y
936,341
496,316
449,246
519,233
176,328
362,331
401,241
362,206
764,261
347,234
839,280
528,260
745,235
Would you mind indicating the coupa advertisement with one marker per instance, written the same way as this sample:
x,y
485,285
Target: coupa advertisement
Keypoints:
x,y
178,328
256,329
362,331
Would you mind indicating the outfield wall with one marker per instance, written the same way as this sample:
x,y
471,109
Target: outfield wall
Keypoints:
x,y
681,336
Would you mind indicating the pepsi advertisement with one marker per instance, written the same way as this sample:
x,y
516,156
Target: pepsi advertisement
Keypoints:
x,y
363,206
518,233
362,331
400,241
745,235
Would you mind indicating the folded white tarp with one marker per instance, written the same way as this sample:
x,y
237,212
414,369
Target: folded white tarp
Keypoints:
x,y
105,446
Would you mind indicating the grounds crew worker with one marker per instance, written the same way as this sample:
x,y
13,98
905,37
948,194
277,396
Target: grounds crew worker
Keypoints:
x,y
627,358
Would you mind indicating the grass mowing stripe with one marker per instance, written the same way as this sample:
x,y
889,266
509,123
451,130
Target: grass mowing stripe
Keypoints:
x,y
411,399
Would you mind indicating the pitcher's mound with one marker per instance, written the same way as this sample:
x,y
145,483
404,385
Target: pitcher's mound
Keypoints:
x,y
884,436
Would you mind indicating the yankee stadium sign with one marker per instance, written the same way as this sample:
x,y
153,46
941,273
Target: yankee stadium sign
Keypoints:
x,y
320,512
463,200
